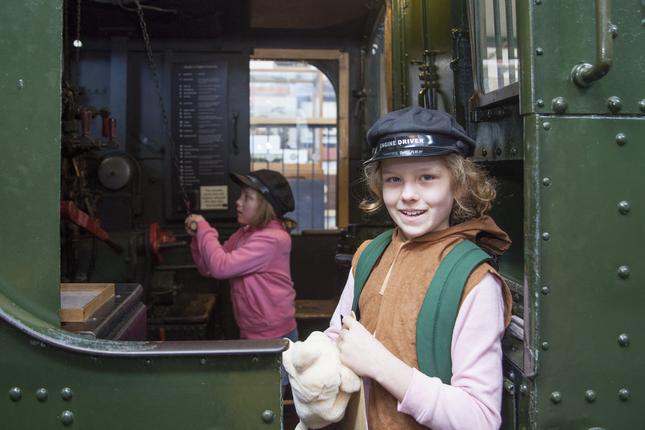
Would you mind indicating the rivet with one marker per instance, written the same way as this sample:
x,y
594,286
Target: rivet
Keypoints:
x,y
643,22
623,340
545,346
624,394
621,139
539,51
546,182
559,105
614,104
41,394
148,362
484,152
255,359
66,393
15,394
556,397
498,151
538,2
202,361
613,30
513,150
546,126
546,236
590,396
21,84
623,272
641,105
67,418
539,102
268,415
545,290
624,207
524,388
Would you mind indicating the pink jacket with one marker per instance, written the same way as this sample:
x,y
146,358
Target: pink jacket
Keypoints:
x,y
474,397
257,264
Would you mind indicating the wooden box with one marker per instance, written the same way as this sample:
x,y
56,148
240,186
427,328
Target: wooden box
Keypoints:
x,y
79,301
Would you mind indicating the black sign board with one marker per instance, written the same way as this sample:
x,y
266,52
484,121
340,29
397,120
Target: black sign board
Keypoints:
x,y
200,135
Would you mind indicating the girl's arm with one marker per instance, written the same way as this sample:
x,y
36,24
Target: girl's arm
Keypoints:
x,y
343,308
473,400
223,262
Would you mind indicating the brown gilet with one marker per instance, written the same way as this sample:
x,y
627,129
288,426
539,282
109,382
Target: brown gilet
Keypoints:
x,y
393,294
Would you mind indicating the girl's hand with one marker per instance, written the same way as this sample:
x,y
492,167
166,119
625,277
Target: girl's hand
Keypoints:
x,y
366,356
359,350
190,223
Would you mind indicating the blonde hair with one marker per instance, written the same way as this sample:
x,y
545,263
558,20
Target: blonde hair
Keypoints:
x,y
265,214
473,190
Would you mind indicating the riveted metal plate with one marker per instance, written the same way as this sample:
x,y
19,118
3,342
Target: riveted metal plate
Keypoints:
x,y
588,305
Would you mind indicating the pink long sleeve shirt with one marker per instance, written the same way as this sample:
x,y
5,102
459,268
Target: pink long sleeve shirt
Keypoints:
x,y
473,398
256,262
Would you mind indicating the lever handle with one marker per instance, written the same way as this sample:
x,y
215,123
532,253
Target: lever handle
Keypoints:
x,y
584,74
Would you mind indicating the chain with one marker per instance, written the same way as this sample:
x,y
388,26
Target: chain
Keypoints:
x,y
164,117
78,32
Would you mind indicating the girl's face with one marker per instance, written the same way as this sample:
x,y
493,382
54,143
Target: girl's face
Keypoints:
x,y
417,194
247,205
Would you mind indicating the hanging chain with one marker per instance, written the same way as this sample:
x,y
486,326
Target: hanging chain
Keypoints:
x,y
164,117
77,41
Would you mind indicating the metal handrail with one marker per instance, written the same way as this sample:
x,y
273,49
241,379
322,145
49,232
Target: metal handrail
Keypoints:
x,y
48,335
584,74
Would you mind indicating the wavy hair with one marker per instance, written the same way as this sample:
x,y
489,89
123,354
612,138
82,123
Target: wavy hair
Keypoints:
x,y
472,187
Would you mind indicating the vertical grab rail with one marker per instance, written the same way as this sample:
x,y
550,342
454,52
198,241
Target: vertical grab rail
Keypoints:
x,y
584,74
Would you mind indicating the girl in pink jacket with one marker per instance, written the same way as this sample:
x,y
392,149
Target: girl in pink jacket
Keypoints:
x,y
255,258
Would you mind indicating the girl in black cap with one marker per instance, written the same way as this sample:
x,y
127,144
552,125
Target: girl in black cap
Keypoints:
x,y
255,258
424,311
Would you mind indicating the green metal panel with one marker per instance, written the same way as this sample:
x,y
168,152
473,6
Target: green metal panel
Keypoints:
x,y
30,48
562,34
133,385
581,241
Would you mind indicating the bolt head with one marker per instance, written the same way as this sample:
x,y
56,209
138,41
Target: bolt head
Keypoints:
x,y
539,51
624,207
546,182
66,393
545,346
545,290
15,394
556,397
623,340
268,416
624,394
559,105
621,139
67,418
614,104
41,394
539,103
546,236
546,126
623,272
590,396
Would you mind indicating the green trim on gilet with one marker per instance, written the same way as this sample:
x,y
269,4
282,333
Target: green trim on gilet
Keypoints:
x,y
436,319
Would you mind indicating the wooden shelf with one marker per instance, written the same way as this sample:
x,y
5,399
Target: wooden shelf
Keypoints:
x,y
79,301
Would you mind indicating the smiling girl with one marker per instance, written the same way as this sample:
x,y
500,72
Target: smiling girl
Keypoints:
x,y
431,309
255,258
